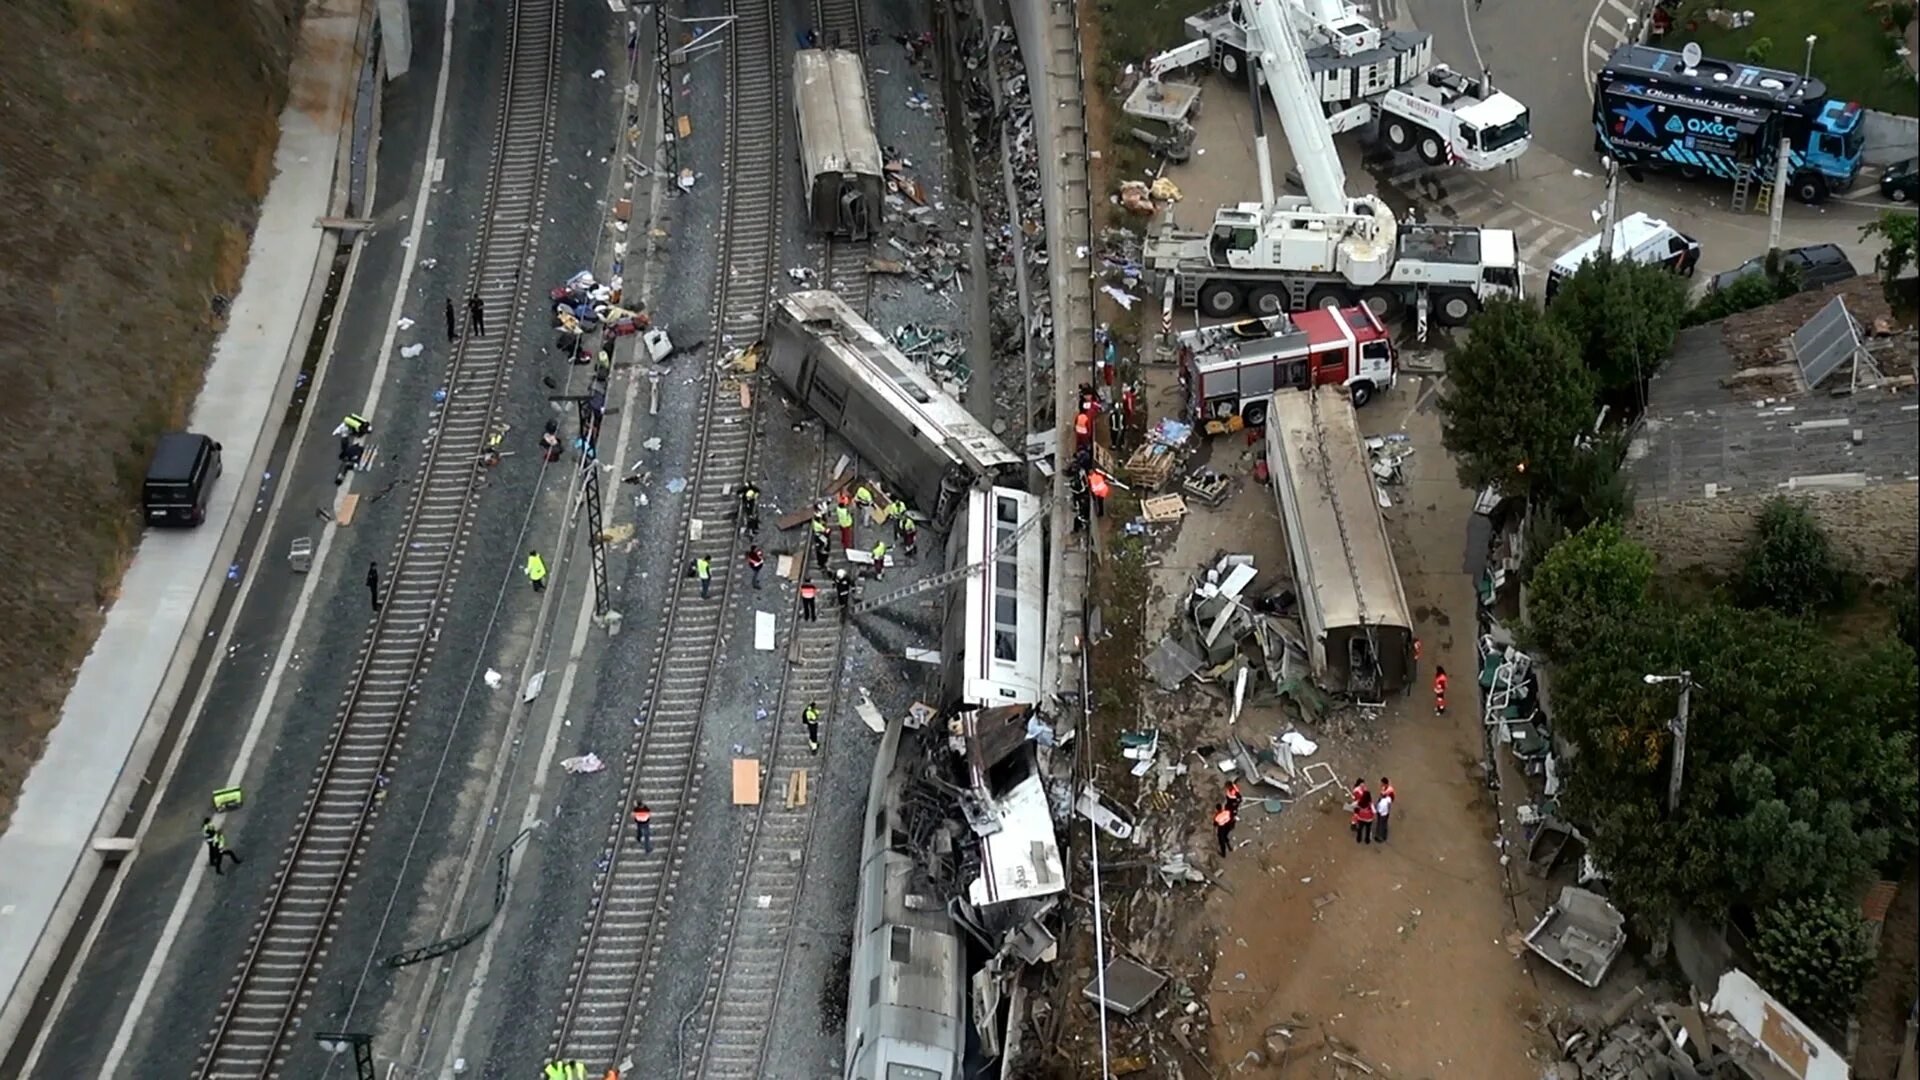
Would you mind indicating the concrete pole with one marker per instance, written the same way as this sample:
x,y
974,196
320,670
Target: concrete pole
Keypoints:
x,y
1611,212
1777,207
1679,727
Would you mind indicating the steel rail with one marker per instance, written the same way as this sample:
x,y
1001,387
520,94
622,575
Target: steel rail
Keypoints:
x,y
252,1032
615,964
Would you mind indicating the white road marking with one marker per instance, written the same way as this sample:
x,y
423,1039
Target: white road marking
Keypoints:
x,y
1625,10
220,647
1602,24
136,1008
1600,51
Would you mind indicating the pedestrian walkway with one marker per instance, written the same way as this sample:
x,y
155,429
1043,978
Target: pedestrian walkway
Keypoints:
x,y
130,682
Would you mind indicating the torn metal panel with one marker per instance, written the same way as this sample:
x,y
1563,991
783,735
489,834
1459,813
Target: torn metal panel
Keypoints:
x,y
1786,1041
1129,986
1171,664
1022,859
1580,934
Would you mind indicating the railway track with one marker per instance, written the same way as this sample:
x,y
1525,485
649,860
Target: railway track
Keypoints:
x,y
615,964
846,261
258,1016
729,1027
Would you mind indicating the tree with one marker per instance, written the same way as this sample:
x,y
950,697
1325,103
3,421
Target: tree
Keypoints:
x,y
1789,565
1899,230
1813,953
1622,315
1593,579
1516,398
1800,772
1594,487
1744,294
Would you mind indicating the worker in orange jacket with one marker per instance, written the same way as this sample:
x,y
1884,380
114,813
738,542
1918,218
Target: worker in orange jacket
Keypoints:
x,y
1439,691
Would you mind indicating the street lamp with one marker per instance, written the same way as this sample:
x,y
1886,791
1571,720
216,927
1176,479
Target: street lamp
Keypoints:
x,y
1678,725
1808,73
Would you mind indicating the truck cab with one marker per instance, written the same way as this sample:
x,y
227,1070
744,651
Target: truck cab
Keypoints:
x,y
1232,370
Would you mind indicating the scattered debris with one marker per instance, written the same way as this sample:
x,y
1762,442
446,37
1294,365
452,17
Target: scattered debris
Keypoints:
x,y
585,763
1580,934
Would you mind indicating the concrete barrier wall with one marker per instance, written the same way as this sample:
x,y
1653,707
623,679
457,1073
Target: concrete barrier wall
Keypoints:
x,y
1049,36
1875,529
1889,138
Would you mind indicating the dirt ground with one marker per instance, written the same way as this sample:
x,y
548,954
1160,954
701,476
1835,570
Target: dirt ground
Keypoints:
x,y
130,170
1401,951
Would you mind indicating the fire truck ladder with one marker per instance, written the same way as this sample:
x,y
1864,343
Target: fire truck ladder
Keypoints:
x,y
958,573
1371,685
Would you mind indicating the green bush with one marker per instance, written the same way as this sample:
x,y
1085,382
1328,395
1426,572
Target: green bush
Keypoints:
x,y
1744,294
1789,566
1814,954
1588,582
1758,51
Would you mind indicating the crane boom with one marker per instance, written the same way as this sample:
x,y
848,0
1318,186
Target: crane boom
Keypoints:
x,y
1283,67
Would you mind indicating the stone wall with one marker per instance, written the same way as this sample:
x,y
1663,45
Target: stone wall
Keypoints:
x,y
1875,529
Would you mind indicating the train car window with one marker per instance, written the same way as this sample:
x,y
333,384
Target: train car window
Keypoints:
x,y
1006,511
1006,610
900,947
1007,573
1005,646
873,993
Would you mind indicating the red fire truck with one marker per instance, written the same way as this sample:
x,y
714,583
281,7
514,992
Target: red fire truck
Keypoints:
x,y
1233,369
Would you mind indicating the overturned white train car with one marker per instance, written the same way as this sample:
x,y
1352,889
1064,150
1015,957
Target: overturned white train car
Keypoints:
x,y
926,445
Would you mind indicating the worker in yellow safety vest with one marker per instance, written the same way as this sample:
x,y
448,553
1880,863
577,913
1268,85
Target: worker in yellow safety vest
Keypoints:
x,y
537,571
565,1070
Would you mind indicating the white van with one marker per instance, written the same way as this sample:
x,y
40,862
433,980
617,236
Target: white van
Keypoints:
x,y
1636,237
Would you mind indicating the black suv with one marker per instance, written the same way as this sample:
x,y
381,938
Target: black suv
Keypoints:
x,y
1818,266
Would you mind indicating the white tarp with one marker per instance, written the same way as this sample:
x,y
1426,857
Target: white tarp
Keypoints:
x,y
1023,858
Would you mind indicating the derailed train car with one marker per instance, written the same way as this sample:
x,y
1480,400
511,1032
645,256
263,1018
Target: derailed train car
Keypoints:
x,y
906,1011
840,159
930,450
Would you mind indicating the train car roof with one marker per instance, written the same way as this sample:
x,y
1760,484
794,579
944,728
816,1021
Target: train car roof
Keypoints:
x,y
899,384
1355,580
836,121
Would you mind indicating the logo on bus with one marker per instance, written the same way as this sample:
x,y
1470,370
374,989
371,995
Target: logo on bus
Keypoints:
x,y
1712,129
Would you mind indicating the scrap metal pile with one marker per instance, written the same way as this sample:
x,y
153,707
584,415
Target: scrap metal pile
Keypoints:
x,y
1007,165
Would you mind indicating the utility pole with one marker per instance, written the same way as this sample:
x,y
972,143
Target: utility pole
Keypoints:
x,y
1610,210
339,1042
1679,742
1776,208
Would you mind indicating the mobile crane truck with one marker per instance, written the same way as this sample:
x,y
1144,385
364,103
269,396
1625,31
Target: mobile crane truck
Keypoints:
x,y
1326,249
1359,74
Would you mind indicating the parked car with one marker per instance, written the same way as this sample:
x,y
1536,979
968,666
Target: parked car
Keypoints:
x,y
1819,265
1901,181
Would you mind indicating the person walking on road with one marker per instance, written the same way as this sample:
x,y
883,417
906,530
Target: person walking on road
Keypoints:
x,y
811,717
1382,809
217,849
537,571
453,324
756,559
643,826
1439,691
373,585
843,591
809,601
476,316
1363,819
1223,822
703,569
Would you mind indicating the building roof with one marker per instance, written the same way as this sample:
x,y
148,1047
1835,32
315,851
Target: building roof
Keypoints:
x,y
1701,430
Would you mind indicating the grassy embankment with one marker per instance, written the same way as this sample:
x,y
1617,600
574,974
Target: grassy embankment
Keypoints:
x,y
136,139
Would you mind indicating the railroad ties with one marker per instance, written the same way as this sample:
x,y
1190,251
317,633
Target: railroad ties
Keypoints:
x,y
252,1032
614,966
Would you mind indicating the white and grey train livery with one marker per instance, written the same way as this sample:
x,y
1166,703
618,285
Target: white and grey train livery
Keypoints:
x,y
840,161
906,1013
927,446
994,626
